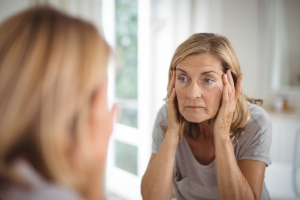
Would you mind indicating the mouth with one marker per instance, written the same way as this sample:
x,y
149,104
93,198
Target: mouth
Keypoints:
x,y
195,107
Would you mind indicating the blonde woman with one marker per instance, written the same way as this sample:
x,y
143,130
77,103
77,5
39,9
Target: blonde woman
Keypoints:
x,y
54,122
210,141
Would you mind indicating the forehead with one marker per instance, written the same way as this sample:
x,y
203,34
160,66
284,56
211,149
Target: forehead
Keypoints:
x,y
203,61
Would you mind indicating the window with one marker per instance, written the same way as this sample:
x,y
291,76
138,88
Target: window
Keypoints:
x,y
126,30
126,26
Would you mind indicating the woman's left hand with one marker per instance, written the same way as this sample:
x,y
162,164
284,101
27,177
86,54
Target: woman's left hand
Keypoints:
x,y
230,96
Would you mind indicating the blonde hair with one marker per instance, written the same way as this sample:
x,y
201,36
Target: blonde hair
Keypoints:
x,y
221,48
51,65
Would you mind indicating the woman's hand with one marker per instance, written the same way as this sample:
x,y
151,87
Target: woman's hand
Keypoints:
x,y
229,98
102,121
173,123
101,125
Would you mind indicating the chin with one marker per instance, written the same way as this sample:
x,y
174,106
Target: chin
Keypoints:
x,y
194,118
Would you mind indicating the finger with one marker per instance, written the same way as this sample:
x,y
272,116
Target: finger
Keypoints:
x,y
225,79
174,79
172,84
238,89
172,97
225,95
231,82
227,84
169,86
111,118
114,109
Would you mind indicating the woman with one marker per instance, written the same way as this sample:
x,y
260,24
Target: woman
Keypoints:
x,y
209,140
54,122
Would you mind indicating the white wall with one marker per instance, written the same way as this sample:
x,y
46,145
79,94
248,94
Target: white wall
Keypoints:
x,y
238,21
9,7
175,21
247,25
88,10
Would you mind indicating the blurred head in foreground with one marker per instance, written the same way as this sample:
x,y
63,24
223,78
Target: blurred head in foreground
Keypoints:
x,y
52,67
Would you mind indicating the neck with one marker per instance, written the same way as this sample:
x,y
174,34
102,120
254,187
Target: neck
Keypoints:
x,y
205,131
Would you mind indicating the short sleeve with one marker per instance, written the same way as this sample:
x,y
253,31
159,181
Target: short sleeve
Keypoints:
x,y
158,133
257,139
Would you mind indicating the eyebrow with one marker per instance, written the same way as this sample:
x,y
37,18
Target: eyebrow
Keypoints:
x,y
203,73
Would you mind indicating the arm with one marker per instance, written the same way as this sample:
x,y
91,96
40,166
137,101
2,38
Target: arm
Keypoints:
x,y
242,180
157,181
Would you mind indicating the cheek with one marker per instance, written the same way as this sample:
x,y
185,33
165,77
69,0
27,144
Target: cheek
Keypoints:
x,y
213,98
181,94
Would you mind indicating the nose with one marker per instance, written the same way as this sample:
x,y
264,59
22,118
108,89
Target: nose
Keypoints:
x,y
194,91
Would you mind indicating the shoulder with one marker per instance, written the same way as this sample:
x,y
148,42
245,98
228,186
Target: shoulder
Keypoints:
x,y
162,115
256,141
45,192
56,192
259,128
159,128
163,111
36,187
259,117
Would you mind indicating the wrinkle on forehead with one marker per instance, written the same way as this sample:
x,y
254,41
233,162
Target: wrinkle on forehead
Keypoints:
x,y
203,61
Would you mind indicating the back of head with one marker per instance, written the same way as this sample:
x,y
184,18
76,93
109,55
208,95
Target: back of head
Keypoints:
x,y
51,64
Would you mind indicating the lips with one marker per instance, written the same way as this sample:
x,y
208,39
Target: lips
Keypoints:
x,y
194,107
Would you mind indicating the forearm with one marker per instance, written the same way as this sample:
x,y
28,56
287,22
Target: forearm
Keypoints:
x,y
157,181
231,182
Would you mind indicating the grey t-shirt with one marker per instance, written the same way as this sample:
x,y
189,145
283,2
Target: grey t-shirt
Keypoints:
x,y
195,181
39,188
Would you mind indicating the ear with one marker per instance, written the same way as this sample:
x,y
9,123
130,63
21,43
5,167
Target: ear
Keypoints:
x,y
99,102
100,93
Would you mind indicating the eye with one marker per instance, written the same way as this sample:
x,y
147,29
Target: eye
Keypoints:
x,y
208,80
182,79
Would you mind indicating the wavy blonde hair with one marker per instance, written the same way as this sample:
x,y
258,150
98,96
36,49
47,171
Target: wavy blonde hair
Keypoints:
x,y
51,65
221,48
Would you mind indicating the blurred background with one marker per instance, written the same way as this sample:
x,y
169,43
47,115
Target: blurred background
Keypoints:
x,y
144,35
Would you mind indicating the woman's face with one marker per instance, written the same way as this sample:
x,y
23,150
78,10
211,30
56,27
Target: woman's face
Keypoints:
x,y
199,87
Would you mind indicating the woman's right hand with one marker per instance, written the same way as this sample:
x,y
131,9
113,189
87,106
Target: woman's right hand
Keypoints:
x,y
101,126
173,123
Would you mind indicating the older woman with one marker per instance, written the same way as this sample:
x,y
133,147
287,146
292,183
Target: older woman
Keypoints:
x,y
54,122
209,140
